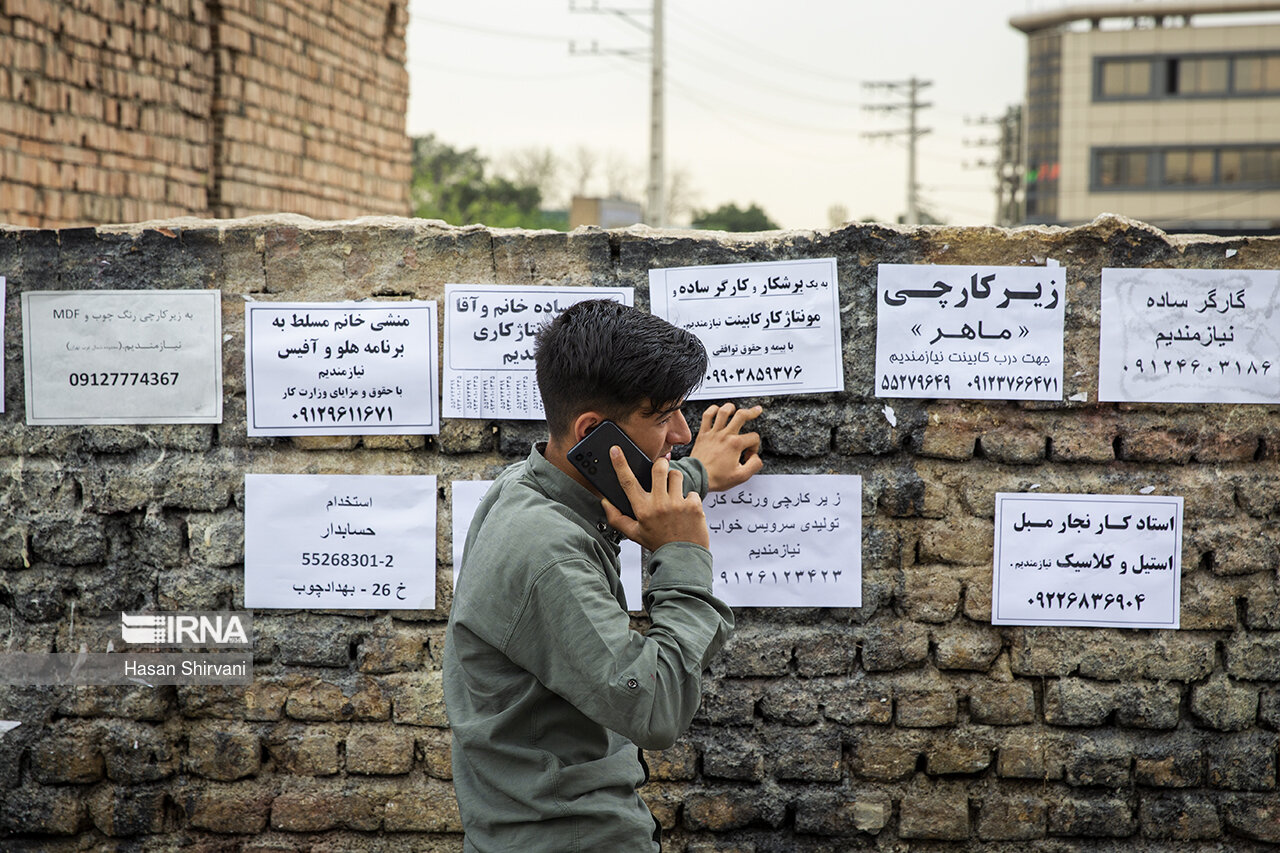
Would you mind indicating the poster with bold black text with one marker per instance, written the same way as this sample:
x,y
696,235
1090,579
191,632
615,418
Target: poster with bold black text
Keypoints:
x,y
1087,560
122,356
339,541
488,345
969,332
770,328
333,368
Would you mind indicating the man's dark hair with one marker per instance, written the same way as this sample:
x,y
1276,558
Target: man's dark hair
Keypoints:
x,y
603,355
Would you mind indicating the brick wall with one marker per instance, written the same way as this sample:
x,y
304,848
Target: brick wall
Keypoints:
x,y
124,110
909,723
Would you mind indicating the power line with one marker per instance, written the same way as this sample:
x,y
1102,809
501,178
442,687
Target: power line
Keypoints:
x,y
489,31
910,91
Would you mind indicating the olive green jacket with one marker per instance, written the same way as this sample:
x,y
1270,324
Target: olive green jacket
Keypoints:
x,y
549,691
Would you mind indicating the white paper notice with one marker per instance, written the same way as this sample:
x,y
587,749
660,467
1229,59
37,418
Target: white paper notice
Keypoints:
x,y
769,328
323,541
969,332
467,495
358,368
788,540
123,356
488,345
1087,560
1190,336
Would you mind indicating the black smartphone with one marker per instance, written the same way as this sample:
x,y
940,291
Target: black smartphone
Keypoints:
x,y
591,457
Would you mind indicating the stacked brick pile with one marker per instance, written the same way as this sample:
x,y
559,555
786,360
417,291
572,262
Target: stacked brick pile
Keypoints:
x,y
123,111
910,722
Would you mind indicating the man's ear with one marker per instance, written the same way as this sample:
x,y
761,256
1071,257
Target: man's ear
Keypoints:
x,y
586,422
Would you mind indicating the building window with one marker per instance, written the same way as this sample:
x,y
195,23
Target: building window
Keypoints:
x,y
1244,75
1188,167
1122,169
1196,76
1125,78
1232,167
1257,74
1253,166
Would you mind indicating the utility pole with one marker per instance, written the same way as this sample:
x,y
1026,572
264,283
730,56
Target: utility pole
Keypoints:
x,y
911,105
655,194
1007,164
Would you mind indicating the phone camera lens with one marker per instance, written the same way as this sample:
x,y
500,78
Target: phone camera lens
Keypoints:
x,y
591,469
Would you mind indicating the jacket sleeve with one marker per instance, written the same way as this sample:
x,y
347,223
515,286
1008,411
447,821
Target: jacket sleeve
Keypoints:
x,y
574,637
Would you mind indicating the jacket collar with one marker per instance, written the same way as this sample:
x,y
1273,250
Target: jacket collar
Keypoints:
x,y
562,488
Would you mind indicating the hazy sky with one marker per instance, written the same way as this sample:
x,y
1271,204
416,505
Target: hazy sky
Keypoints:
x,y
764,101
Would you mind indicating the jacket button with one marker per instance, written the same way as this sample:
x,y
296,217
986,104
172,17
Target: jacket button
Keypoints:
x,y
632,683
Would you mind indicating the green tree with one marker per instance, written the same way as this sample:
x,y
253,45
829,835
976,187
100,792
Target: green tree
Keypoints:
x,y
729,217
450,183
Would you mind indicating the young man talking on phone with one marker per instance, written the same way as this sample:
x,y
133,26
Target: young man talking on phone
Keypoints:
x,y
550,694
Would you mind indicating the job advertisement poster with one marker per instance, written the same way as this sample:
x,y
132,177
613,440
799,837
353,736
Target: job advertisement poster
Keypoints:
x,y
969,332
1087,560
1190,336
788,540
340,541
356,368
122,356
467,495
769,328
488,345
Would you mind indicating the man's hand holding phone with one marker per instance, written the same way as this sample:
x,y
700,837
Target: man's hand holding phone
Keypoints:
x,y
663,515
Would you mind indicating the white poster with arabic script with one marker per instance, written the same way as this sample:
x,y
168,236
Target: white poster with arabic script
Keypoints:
x,y
969,332
769,328
1087,560
788,540
340,541
122,356
334,368
1190,336
488,345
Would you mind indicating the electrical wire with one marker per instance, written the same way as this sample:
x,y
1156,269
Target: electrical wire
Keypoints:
x,y
489,31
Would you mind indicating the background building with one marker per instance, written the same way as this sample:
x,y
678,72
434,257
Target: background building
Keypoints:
x,y
123,110
1155,111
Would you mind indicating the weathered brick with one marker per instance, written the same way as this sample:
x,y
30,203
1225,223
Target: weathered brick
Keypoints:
x,y
826,652
239,807
812,756
719,811
731,755
1179,818
1243,762
422,807
753,654
1021,755
1076,702
305,751
403,650
136,752
925,705
1254,817
41,811
966,647
1002,703
843,814
958,541
963,752
1087,439
1092,817
436,748
1208,603
217,539
1012,818
1234,551
223,752
790,702
1102,762
1148,705
729,703
1225,705
417,699
316,810
859,700
881,759
121,811
941,814
320,701
1254,657
380,751
1046,651
466,435
1170,763
680,762
894,645
931,593
1014,446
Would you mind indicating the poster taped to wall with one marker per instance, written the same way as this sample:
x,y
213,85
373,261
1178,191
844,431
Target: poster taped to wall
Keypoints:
x,y
488,345
1190,336
769,328
340,541
969,332
335,368
122,356
1087,560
